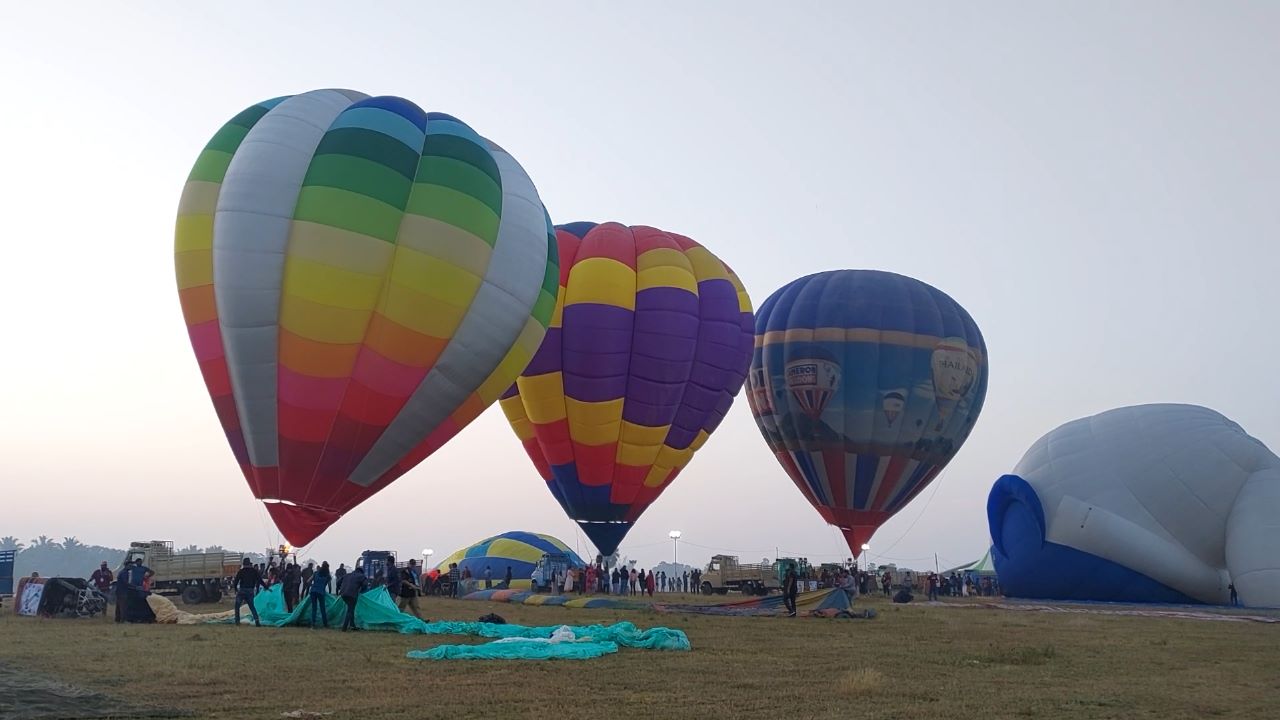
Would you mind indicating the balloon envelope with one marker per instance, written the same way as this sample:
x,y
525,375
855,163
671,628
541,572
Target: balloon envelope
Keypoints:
x,y
516,549
647,348
864,384
359,280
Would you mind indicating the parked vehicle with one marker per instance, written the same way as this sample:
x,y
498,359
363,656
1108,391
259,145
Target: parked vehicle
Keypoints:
x,y
197,577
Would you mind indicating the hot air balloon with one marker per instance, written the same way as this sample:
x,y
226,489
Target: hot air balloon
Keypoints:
x,y
648,345
359,280
864,384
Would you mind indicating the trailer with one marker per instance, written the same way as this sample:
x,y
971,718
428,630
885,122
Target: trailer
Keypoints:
x,y
196,577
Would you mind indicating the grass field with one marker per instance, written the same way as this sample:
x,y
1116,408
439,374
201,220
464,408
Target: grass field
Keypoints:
x,y
918,661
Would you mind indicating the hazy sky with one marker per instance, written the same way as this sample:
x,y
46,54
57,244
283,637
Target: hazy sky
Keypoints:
x,y
1097,183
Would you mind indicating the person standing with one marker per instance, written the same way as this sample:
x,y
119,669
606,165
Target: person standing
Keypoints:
x,y
102,578
455,579
650,582
352,585
488,578
338,574
247,582
790,588
1235,598
506,579
307,573
319,594
290,578
408,591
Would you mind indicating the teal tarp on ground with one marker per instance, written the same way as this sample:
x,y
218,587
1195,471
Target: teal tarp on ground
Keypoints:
x,y
375,610
518,650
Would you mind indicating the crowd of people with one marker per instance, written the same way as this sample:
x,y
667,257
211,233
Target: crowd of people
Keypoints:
x,y
619,580
312,584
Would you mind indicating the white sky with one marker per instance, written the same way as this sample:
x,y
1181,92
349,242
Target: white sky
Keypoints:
x,y
1098,184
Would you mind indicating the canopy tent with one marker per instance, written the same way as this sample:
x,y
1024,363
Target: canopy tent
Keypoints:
x,y
982,567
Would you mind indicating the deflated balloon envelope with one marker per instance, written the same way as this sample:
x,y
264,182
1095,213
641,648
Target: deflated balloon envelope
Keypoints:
x,y
646,350
864,384
359,279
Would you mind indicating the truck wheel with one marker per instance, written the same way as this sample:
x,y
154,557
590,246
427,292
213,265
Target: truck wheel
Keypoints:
x,y
706,588
212,593
193,595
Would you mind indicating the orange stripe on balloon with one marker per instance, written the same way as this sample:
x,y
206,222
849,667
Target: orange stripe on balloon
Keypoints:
x,y
310,357
401,344
198,304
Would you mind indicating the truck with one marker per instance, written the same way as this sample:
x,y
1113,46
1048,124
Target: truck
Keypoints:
x,y
551,565
725,573
197,577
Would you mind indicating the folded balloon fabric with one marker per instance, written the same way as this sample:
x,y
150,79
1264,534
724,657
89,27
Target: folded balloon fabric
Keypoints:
x,y
562,645
375,610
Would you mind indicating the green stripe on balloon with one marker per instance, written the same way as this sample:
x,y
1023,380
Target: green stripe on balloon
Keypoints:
x,y
360,175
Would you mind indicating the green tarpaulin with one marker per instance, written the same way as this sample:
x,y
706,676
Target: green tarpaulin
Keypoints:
x,y
375,610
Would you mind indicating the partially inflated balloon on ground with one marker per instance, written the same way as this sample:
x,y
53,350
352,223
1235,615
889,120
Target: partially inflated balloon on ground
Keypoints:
x,y
864,384
646,350
359,279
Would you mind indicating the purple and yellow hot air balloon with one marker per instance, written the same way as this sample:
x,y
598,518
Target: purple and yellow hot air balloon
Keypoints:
x,y
359,279
865,384
649,343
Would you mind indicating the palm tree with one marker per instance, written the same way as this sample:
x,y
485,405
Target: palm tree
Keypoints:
x,y
42,541
9,542
71,542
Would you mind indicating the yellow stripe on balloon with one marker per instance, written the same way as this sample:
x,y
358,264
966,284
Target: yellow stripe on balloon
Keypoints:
x,y
419,312
543,397
513,408
340,248
330,285
668,459
638,445
594,423
323,323
504,548
434,277
603,281
744,301
447,242
699,441
665,267
705,265
194,267
193,232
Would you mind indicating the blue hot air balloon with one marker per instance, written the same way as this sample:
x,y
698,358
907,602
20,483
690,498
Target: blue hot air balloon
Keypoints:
x,y
865,384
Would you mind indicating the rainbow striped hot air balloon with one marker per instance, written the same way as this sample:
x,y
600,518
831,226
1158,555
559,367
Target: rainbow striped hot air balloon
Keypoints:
x,y
648,345
359,279
865,384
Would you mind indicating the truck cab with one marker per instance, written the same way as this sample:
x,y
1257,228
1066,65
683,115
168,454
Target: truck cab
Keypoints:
x,y
549,567
375,565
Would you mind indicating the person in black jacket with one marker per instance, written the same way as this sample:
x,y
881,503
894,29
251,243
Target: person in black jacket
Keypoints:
x,y
291,579
352,585
247,582
790,587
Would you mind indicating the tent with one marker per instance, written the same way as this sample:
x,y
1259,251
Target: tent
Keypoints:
x,y
982,567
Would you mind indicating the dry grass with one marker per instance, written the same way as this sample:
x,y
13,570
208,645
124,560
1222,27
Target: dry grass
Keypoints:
x,y
861,682
912,661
